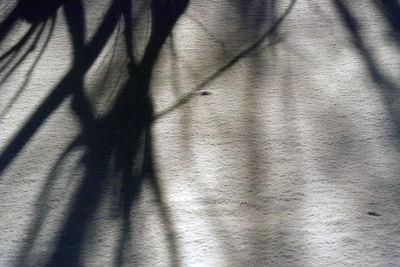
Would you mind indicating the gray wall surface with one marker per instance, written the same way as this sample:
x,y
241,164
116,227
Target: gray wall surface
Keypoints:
x,y
221,133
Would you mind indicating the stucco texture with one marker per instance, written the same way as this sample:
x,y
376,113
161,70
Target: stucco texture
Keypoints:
x,y
200,133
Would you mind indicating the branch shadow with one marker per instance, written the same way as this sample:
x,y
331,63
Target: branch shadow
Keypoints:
x,y
389,89
118,145
20,61
10,60
391,8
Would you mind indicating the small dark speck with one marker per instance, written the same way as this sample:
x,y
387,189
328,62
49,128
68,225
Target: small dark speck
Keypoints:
x,y
373,213
205,93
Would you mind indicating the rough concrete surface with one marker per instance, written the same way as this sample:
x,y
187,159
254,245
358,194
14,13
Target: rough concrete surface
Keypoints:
x,y
229,133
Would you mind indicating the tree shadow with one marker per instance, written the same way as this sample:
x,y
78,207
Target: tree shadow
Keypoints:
x,y
16,55
391,8
252,48
117,145
388,89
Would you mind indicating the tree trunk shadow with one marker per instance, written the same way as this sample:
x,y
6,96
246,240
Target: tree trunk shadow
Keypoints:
x,y
114,143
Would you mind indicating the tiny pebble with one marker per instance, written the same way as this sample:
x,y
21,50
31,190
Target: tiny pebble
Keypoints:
x,y
373,213
205,93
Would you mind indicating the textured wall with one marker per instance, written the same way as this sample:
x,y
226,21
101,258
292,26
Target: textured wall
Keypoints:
x,y
260,133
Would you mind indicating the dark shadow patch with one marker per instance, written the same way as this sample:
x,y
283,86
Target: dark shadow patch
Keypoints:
x,y
373,213
205,93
